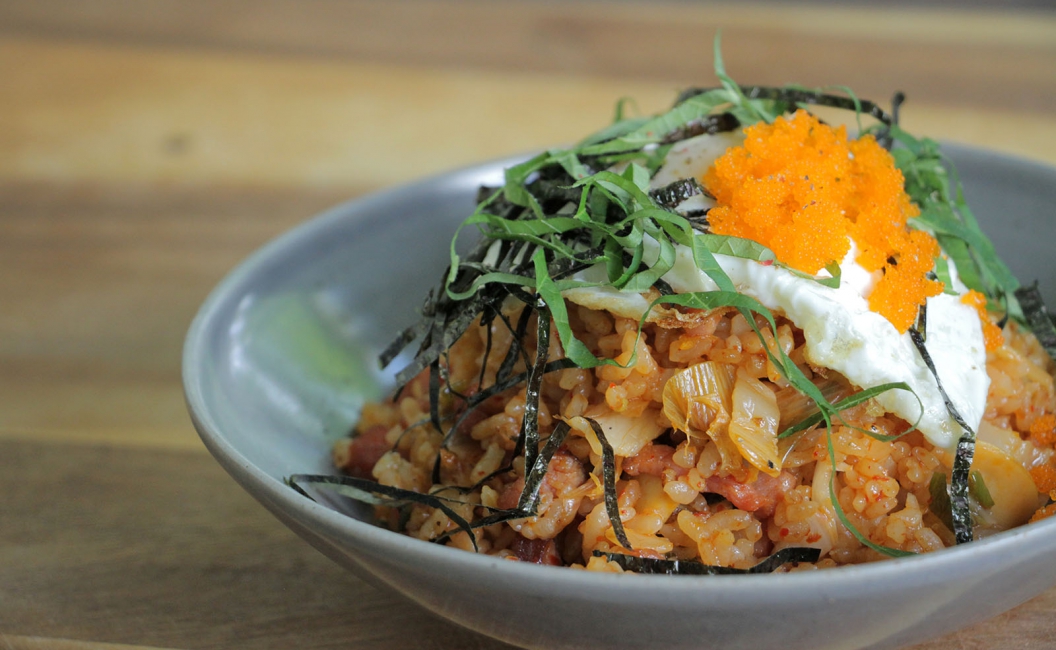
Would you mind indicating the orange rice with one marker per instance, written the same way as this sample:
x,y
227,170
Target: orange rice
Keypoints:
x,y
676,499
693,407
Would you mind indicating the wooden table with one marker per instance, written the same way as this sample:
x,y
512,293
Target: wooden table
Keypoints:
x,y
148,146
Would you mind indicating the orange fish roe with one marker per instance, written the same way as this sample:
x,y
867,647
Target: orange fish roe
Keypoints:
x,y
802,188
1043,430
991,333
1044,477
1044,513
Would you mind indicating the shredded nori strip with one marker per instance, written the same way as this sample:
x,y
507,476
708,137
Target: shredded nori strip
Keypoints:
x,y
608,481
375,493
487,318
921,325
1038,318
434,394
516,349
536,472
692,568
530,423
710,125
884,137
795,96
672,194
405,338
664,288
962,461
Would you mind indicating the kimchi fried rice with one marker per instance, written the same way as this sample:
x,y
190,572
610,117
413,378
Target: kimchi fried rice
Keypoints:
x,y
675,499
728,338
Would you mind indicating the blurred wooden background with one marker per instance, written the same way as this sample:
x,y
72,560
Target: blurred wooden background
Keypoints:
x,y
146,146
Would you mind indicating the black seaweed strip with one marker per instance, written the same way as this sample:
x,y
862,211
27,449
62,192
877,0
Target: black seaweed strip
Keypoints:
x,y
690,567
477,399
884,138
530,423
896,106
921,326
405,338
509,467
459,322
962,460
1001,322
699,220
496,388
528,502
407,429
489,318
434,395
442,335
522,295
710,125
557,364
940,499
472,401
446,379
560,191
664,288
800,96
1038,317
446,319
797,96
534,474
395,496
674,193
516,347
608,481
428,349
497,517
563,267
436,305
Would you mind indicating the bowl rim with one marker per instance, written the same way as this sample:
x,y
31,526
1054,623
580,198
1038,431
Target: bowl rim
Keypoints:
x,y
263,486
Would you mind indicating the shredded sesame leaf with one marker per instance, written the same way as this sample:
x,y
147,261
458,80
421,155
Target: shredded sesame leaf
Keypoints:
x,y
735,247
977,488
932,183
940,504
851,401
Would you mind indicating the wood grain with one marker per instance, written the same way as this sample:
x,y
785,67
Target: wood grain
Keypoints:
x,y
160,548
132,114
11,642
147,146
934,55
99,288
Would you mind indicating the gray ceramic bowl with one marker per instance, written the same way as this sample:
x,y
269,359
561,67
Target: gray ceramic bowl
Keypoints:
x,y
281,356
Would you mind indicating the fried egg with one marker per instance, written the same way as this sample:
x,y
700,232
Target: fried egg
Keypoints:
x,y
840,331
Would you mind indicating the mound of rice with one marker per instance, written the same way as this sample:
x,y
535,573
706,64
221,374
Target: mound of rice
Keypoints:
x,y
677,497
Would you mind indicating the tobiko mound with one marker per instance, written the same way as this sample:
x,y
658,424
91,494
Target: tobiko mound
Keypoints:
x,y
728,338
